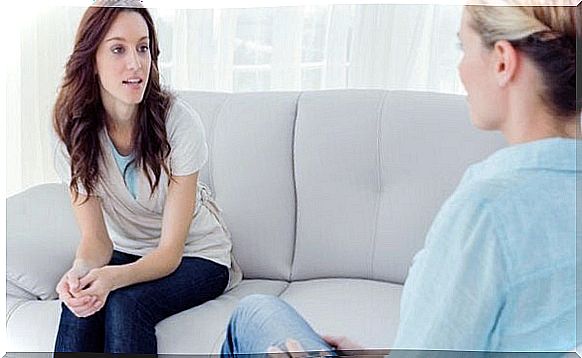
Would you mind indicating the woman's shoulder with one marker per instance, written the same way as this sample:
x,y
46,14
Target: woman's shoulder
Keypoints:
x,y
483,191
180,110
182,119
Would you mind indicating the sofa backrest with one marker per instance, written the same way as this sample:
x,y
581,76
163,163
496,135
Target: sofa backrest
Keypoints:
x,y
338,183
250,170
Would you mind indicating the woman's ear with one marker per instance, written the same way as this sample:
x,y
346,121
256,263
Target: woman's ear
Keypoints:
x,y
505,62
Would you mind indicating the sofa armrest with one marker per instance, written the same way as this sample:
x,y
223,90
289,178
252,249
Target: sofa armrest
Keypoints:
x,y
41,239
15,296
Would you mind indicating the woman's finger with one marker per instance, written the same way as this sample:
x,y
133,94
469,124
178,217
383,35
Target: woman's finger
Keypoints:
x,y
94,308
86,310
295,348
274,352
73,281
89,291
331,340
87,280
77,302
63,291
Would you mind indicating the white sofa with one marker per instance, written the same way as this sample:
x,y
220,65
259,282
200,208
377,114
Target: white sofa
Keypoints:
x,y
328,195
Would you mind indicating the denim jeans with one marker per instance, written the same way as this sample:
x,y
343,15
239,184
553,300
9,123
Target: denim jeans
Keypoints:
x,y
126,324
261,321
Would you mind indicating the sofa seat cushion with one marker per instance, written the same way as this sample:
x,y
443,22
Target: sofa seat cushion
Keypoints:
x,y
32,326
202,329
365,311
197,330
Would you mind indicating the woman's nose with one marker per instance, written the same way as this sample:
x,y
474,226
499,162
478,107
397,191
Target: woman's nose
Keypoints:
x,y
133,62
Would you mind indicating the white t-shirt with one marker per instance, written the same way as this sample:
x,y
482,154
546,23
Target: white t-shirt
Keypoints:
x,y
135,224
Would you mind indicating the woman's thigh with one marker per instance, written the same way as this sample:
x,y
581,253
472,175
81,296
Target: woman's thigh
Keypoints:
x,y
195,281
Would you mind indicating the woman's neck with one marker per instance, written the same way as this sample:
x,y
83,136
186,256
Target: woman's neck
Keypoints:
x,y
120,127
528,121
540,130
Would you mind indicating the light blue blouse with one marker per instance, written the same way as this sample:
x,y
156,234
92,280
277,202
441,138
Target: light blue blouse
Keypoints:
x,y
498,270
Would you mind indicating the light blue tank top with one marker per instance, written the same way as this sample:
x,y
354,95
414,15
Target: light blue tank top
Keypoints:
x,y
130,174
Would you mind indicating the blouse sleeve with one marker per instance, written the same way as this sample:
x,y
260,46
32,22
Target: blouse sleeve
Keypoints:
x,y
456,286
189,151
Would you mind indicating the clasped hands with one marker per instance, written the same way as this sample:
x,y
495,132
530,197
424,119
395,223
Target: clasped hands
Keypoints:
x,y
84,290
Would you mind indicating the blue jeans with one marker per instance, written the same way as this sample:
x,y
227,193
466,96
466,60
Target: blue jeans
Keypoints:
x,y
126,324
261,321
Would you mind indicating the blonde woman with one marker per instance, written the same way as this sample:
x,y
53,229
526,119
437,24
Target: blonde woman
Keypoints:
x,y
497,272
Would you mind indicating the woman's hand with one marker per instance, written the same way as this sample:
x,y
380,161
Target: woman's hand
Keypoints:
x,y
97,284
346,347
343,346
68,287
294,349
342,343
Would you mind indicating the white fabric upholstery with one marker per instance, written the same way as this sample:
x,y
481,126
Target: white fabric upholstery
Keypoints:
x,y
32,327
202,329
327,194
384,163
252,173
366,311
41,239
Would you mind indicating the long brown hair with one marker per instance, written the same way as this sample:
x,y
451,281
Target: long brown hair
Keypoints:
x,y
79,116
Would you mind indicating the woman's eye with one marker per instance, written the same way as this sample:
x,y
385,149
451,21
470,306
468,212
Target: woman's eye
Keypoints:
x,y
117,49
144,48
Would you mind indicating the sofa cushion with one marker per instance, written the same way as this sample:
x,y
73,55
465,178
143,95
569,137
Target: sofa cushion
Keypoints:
x,y
336,160
386,161
251,170
43,237
365,311
201,330
32,326
197,330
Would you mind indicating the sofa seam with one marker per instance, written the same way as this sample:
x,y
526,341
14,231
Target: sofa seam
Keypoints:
x,y
213,150
294,178
23,303
287,285
380,161
12,278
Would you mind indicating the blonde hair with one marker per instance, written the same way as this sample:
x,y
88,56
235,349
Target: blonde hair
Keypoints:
x,y
545,34
508,22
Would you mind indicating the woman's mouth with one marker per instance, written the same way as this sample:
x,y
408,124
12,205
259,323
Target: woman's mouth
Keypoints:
x,y
133,82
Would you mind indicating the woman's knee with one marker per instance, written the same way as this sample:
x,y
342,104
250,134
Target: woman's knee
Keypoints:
x,y
256,307
124,307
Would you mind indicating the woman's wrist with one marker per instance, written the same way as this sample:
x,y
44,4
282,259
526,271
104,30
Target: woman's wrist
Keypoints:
x,y
117,275
81,264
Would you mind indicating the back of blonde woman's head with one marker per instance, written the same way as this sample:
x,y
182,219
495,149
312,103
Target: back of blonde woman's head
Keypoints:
x,y
547,35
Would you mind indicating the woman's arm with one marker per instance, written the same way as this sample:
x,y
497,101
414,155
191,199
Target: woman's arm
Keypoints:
x,y
94,251
178,212
162,261
456,288
96,247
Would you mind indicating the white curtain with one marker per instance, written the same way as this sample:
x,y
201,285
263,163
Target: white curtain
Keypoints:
x,y
255,49
405,47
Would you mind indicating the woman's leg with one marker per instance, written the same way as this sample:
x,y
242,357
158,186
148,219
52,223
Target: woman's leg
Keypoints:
x,y
261,321
131,313
77,334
